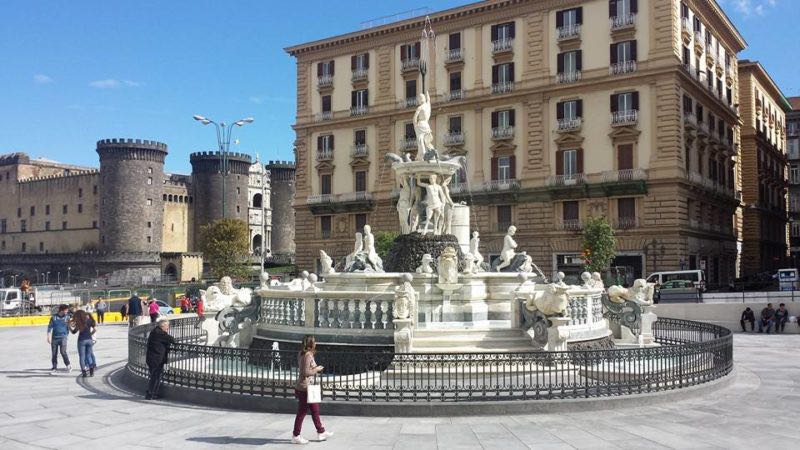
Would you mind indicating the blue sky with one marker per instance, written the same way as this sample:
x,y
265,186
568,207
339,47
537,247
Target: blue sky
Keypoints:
x,y
73,72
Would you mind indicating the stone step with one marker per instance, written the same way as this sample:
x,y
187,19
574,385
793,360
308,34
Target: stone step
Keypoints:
x,y
467,333
470,341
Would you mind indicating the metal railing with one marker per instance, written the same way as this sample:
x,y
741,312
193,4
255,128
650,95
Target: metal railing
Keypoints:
x,y
359,110
500,185
568,77
359,196
698,41
323,116
324,154
409,64
569,225
626,223
622,118
686,25
503,132
324,81
568,32
502,87
454,55
623,21
502,45
457,94
409,143
359,74
566,180
454,138
359,150
409,102
569,124
614,176
691,353
622,67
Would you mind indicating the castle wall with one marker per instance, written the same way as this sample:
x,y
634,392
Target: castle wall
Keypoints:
x,y
282,191
177,231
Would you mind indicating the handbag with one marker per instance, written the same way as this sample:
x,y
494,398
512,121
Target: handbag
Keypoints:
x,y
314,392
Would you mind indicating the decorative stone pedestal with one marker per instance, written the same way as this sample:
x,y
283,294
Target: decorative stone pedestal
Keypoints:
x,y
403,334
557,334
646,333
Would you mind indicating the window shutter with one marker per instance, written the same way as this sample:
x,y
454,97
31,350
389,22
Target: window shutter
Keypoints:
x,y
494,33
579,108
612,8
634,6
560,63
511,114
614,103
403,52
494,168
511,72
560,110
613,54
625,157
319,69
559,19
366,97
636,101
319,142
579,60
332,66
512,165
579,15
579,157
494,119
353,62
366,60
353,96
633,50
495,74
560,162
511,31
417,49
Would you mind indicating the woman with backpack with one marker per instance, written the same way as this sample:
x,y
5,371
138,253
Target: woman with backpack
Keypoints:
x,y
85,327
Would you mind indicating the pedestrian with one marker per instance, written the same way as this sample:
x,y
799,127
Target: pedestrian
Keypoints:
x,y
748,316
307,371
134,309
57,334
781,317
152,308
84,326
158,344
101,307
767,318
186,305
123,311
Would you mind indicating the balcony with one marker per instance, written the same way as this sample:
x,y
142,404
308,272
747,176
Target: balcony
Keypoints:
x,y
359,151
711,54
568,77
319,198
324,81
409,143
502,132
622,67
500,185
502,45
686,30
622,22
625,223
454,55
410,102
689,119
325,234
409,65
570,225
358,110
568,32
502,87
334,203
323,116
359,74
624,118
324,154
569,124
456,95
454,138
621,176
699,44
566,180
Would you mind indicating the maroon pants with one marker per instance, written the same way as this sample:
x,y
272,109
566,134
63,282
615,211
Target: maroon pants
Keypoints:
x,y
302,409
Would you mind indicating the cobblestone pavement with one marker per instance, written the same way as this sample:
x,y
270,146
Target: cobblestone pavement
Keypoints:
x,y
39,410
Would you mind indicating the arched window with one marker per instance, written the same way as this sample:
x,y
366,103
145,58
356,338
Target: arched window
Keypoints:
x,y
165,197
170,197
257,201
257,244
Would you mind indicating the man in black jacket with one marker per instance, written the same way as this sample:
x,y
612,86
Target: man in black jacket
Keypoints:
x,y
157,348
748,316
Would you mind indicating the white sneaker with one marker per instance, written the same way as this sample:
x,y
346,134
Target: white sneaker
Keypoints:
x,y
54,372
299,440
69,369
325,435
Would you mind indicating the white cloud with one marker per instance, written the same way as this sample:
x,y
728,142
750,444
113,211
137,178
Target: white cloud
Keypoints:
x,y
750,7
42,79
111,83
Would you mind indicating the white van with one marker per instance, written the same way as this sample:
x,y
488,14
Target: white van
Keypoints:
x,y
673,279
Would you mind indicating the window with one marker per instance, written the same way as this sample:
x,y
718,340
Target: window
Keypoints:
x,y
149,239
502,32
80,190
569,162
80,208
3,226
627,101
622,8
410,51
699,113
149,224
19,212
149,202
33,211
94,189
454,124
569,18
325,184
409,131
570,211
454,41
626,208
794,174
46,210
455,81
359,98
795,229
94,225
325,69
360,137
24,247
625,157
503,119
359,62
149,181
688,106
569,62
47,226
41,247
149,170
325,226
23,225
687,57
326,103
64,225
503,73
504,168
622,52
504,219
361,220
64,209
361,181
569,110
684,11
411,89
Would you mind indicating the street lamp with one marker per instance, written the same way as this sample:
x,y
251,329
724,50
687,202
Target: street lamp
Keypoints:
x,y
224,144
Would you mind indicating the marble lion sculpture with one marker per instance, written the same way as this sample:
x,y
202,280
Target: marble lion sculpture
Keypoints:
x,y
552,301
641,293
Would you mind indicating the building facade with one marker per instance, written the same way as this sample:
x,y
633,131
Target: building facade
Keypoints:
x,y
564,110
260,212
764,171
793,155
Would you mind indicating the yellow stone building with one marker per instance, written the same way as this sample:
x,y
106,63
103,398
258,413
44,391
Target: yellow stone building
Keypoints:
x,y
564,109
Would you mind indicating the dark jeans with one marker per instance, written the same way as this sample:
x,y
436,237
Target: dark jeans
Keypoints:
x,y
303,407
765,324
752,325
59,345
155,379
101,316
780,325
86,354
153,318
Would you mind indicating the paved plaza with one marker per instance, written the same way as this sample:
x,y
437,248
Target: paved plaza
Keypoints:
x,y
39,410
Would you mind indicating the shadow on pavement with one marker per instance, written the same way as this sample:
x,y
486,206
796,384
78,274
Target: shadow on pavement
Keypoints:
x,y
230,440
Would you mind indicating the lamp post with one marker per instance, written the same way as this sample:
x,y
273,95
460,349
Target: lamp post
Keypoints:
x,y
224,144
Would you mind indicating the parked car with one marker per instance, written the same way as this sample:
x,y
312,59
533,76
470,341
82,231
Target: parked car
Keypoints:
x,y
163,308
696,277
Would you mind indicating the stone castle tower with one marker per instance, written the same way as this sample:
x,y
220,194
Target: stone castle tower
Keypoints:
x,y
282,191
207,188
131,187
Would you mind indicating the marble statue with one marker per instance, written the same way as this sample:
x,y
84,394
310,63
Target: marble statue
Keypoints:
x,y
552,301
597,281
586,277
404,298
405,203
448,266
527,264
422,128
264,280
369,249
446,224
425,266
326,262
223,295
469,263
310,284
474,248
434,204
640,293
509,249
359,248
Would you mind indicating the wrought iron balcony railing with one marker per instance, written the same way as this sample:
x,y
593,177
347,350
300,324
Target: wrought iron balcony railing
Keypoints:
x,y
569,32
502,45
623,118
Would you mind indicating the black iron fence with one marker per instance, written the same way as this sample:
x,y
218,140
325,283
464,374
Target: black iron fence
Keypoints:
x,y
690,353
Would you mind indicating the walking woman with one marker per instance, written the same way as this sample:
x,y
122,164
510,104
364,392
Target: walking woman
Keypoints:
x,y
84,325
152,308
307,369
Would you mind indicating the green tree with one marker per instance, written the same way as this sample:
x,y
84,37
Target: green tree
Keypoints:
x,y
383,242
599,244
225,245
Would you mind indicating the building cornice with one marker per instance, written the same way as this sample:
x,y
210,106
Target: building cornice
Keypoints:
x,y
712,12
765,80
